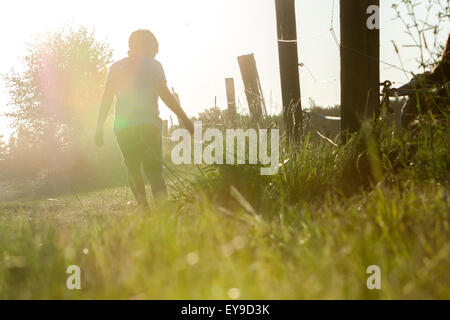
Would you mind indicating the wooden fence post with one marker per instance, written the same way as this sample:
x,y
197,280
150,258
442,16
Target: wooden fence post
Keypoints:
x,y
360,66
231,99
250,77
166,128
177,97
289,73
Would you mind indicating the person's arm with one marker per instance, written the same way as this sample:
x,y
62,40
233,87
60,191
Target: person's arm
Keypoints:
x,y
105,106
168,98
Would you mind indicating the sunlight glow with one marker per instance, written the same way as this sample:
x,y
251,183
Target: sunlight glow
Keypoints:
x,y
200,41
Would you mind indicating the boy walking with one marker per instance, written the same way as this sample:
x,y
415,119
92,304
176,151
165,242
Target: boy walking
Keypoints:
x,y
137,82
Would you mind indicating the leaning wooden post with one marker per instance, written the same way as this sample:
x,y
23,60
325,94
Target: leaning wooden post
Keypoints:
x,y
249,72
360,66
231,99
289,73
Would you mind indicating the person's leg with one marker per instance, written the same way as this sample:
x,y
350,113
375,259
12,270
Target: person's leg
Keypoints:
x,y
132,186
137,186
159,187
129,143
152,163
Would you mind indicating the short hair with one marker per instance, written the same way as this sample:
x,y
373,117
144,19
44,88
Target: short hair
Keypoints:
x,y
143,41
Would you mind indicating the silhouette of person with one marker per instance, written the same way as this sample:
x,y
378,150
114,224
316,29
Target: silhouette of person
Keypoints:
x,y
137,82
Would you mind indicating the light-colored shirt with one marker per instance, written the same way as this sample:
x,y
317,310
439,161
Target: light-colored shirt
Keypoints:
x,y
133,81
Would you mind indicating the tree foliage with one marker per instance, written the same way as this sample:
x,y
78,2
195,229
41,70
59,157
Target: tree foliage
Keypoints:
x,y
57,92
54,101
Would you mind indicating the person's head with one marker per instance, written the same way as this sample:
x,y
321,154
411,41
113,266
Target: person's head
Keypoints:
x,y
143,43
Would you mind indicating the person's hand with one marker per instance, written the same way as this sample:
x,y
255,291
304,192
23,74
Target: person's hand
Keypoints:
x,y
99,137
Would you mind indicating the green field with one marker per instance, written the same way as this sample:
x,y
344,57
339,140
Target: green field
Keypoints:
x,y
309,232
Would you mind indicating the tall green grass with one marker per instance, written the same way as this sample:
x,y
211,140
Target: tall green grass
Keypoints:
x,y
310,231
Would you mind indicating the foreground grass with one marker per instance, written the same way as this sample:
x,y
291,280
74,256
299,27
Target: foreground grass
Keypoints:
x,y
310,231
202,252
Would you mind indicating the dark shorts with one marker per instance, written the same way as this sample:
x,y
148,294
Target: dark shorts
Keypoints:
x,y
141,146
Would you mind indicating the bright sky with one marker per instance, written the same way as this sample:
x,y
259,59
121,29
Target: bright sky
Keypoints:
x,y
200,41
